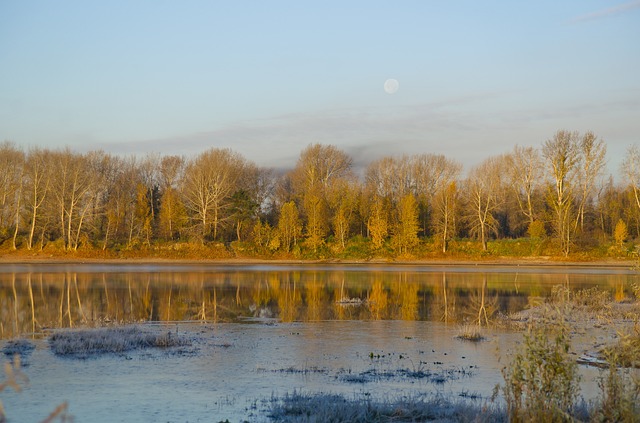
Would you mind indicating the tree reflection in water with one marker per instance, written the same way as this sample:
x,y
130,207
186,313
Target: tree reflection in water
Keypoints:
x,y
32,300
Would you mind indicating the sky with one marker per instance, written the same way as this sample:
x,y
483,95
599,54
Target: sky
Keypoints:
x,y
269,78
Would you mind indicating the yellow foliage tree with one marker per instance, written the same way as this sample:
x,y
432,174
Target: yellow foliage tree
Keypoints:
x,y
407,226
620,233
317,223
172,215
377,225
289,227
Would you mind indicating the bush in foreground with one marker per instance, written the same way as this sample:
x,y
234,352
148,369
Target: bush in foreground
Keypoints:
x,y
542,382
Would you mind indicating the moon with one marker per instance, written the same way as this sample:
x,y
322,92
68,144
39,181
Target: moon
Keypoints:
x,y
391,86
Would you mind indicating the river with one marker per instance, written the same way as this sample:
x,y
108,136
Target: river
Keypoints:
x,y
370,331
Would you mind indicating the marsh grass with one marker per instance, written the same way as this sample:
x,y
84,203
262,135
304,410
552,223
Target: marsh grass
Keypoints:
x,y
88,342
542,383
305,408
586,307
470,332
625,352
619,396
592,299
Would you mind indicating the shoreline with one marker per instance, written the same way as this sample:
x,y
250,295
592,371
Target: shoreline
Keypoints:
x,y
502,262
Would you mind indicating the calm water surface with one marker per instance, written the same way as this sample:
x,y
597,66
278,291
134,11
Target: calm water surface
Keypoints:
x,y
371,331
37,297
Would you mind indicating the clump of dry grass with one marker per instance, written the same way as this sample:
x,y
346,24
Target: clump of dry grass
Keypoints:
x,y
86,342
470,332
589,301
592,299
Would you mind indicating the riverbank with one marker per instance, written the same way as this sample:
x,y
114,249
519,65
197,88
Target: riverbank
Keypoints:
x,y
7,258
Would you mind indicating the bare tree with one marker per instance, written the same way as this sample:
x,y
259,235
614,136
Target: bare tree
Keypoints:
x,y
445,199
343,200
562,155
384,179
525,172
210,180
90,214
11,169
149,169
121,223
484,192
320,165
172,214
592,161
72,183
37,181
631,171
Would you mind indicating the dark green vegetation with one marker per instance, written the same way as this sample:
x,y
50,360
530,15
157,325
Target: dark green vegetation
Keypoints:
x,y
88,342
551,201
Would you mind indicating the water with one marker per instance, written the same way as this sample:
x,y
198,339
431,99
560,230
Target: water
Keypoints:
x,y
37,297
258,331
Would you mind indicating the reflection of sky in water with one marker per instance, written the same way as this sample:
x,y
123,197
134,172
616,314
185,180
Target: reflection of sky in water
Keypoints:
x,y
237,364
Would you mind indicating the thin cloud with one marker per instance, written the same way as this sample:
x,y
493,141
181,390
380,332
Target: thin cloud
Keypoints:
x,y
605,13
460,128
277,141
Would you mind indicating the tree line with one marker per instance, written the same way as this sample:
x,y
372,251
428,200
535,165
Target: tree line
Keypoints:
x,y
557,192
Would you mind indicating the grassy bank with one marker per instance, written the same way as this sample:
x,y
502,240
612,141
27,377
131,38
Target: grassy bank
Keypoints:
x,y
357,249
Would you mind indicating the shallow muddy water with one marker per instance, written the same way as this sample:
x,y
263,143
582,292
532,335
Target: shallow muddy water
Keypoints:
x,y
258,331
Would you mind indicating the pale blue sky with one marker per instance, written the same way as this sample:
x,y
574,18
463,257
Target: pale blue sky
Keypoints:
x,y
267,78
